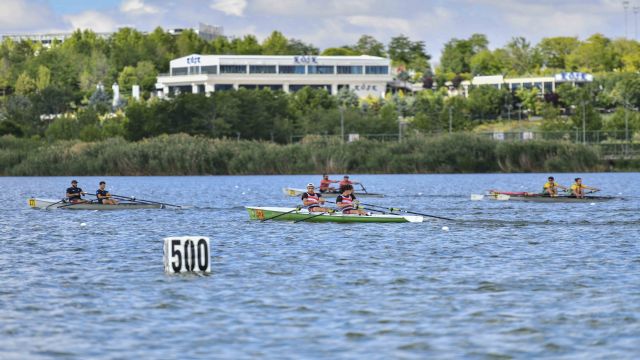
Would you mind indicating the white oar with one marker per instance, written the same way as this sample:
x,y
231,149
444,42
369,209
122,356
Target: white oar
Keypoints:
x,y
477,197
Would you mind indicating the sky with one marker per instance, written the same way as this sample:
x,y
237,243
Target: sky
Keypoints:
x,y
333,23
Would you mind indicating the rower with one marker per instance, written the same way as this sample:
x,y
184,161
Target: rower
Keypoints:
x,y
74,193
347,202
104,197
312,200
550,188
578,186
325,184
346,181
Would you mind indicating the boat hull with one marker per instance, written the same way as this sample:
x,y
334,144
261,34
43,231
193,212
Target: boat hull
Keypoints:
x,y
298,192
56,204
264,213
534,197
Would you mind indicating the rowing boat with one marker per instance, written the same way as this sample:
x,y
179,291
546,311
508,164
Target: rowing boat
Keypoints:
x,y
37,203
537,197
291,214
298,192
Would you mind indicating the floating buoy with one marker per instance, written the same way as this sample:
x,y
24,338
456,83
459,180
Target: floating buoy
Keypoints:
x,y
445,228
83,224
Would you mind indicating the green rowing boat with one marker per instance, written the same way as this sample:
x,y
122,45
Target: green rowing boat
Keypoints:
x,y
291,214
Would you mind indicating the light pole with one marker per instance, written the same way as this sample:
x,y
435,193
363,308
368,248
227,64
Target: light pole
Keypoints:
x,y
519,113
635,19
584,123
626,128
625,4
342,123
450,119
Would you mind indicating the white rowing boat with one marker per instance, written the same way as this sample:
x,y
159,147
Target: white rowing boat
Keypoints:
x,y
45,204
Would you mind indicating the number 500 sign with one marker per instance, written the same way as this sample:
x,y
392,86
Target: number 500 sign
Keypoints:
x,y
187,254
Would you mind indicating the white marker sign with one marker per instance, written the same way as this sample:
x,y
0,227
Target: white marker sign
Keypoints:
x,y
187,254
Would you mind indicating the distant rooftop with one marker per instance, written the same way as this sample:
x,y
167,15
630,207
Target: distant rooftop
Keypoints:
x,y
206,32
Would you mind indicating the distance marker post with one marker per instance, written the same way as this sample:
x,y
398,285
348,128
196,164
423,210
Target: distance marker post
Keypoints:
x,y
187,254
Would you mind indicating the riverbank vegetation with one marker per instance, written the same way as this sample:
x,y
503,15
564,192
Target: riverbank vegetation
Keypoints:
x,y
183,154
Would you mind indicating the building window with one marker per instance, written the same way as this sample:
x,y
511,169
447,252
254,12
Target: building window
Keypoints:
x,y
262,69
179,71
233,69
270,87
349,69
223,87
194,70
548,87
291,69
294,88
320,69
210,69
377,70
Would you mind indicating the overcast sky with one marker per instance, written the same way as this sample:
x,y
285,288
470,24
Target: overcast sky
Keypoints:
x,y
332,22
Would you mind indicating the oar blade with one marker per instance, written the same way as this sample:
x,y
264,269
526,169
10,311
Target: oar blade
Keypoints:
x,y
477,197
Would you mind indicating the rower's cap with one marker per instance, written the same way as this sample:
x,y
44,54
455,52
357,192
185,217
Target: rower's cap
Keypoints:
x,y
74,181
310,185
346,176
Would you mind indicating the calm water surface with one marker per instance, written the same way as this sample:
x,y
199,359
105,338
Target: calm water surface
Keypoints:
x,y
509,280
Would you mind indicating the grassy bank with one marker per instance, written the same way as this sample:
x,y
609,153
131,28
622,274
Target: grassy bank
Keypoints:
x,y
192,155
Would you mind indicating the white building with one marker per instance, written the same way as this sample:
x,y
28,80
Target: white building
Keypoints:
x,y
545,84
366,75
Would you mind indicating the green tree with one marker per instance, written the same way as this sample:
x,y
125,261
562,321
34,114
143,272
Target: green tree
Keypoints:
x,y
486,102
25,85
487,62
593,55
341,51
298,47
410,54
457,53
276,44
248,45
524,58
44,77
555,50
368,45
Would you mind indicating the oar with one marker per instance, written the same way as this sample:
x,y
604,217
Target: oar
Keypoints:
x,y
76,203
147,201
362,207
50,205
363,188
277,216
411,212
310,217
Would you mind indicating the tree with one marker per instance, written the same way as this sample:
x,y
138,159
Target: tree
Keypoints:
x,y
25,85
408,53
487,62
486,102
593,55
44,77
342,51
276,44
248,45
555,50
368,45
524,58
298,47
457,53
188,42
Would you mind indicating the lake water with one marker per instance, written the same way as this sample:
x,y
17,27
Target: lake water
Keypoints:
x,y
508,280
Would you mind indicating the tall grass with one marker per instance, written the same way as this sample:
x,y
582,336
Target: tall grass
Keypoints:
x,y
195,155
